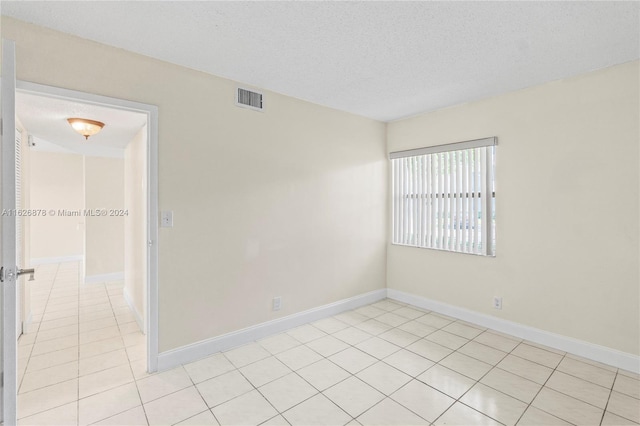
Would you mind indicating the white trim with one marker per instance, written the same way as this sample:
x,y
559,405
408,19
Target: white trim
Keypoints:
x,y
456,146
152,212
27,322
84,97
195,351
581,348
9,383
133,309
102,278
35,261
151,308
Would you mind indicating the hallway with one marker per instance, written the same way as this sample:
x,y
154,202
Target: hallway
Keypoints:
x,y
82,340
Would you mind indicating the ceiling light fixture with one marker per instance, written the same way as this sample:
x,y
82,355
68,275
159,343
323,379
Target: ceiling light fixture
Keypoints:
x,y
85,126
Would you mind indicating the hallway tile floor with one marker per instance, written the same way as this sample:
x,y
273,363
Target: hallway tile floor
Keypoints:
x,y
83,362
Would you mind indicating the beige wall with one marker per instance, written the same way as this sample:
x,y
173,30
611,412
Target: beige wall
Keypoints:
x,y
135,231
289,202
567,209
104,189
56,182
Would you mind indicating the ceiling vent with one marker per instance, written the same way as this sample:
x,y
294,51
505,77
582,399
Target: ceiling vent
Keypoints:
x,y
249,99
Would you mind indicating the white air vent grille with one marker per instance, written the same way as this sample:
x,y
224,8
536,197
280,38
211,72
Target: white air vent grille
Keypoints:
x,y
249,99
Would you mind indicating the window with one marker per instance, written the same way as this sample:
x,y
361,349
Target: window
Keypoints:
x,y
444,197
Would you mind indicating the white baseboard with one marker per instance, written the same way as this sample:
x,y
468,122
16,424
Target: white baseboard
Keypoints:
x,y
35,261
134,311
27,322
195,351
114,276
581,348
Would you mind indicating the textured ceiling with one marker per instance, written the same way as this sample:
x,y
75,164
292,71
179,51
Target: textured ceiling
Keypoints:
x,y
383,60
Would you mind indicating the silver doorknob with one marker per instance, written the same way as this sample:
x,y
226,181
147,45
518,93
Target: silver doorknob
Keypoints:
x,y
31,273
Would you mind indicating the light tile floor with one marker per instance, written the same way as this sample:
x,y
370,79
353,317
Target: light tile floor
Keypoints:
x,y
387,363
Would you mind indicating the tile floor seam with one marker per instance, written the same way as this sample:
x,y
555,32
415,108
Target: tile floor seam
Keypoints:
x,y
38,329
576,398
51,408
380,402
49,385
530,360
135,381
502,392
30,355
436,328
458,400
296,372
249,381
540,390
197,414
405,347
271,418
144,409
631,422
319,392
111,415
57,350
139,395
281,413
210,409
587,380
310,325
471,408
593,363
261,394
407,408
162,396
416,377
541,387
129,361
478,382
53,328
604,411
499,361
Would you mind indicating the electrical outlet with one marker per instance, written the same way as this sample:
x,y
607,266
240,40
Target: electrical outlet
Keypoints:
x,y
277,303
166,219
497,302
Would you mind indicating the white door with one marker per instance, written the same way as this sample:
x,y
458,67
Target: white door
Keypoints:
x,y
9,274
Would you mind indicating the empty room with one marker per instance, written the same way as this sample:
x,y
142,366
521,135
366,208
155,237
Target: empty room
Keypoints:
x,y
320,213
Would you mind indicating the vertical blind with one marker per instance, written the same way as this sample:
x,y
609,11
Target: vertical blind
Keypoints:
x,y
444,197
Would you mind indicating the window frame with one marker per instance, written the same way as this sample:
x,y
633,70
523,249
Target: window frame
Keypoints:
x,y
470,174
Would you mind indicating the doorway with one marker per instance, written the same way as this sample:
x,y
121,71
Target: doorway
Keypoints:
x,y
85,263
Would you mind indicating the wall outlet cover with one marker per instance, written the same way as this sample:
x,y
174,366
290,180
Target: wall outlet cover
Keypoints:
x,y
166,219
277,303
497,302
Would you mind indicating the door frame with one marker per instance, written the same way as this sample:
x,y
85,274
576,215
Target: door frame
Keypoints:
x,y
10,277
151,112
